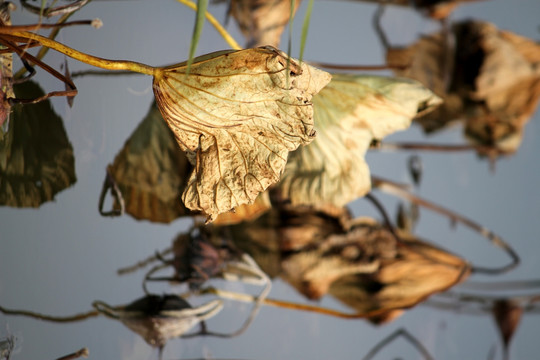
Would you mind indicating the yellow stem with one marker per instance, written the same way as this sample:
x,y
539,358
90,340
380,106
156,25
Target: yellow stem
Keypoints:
x,y
212,20
43,51
85,58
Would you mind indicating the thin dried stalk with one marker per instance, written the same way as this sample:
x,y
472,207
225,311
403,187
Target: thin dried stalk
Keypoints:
x,y
497,241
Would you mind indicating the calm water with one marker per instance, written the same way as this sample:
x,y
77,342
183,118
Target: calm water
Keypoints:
x,y
61,257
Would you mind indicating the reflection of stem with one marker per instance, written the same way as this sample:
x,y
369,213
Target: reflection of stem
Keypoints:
x,y
387,222
143,263
53,11
503,285
290,305
53,26
258,300
388,187
149,273
394,335
110,183
378,27
61,319
434,147
77,354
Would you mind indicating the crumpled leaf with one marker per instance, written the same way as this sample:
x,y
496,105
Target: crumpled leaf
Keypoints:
x,y
506,90
416,271
36,157
349,113
358,261
262,21
151,172
490,79
237,115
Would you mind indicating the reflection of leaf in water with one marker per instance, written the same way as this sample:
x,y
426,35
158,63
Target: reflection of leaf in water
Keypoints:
x,y
246,212
262,21
284,230
36,158
490,78
237,115
151,171
507,314
160,318
415,271
358,261
349,113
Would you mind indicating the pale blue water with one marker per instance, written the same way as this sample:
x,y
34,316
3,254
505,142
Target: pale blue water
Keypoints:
x,y
60,258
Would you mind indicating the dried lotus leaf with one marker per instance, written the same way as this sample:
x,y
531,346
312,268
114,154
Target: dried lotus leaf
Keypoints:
x,y
349,113
237,115
490,79
417,271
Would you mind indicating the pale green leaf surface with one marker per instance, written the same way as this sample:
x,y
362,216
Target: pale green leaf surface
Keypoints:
x,y
349,113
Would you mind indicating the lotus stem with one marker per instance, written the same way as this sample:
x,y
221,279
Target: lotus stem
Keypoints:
x,y
493,238
82,57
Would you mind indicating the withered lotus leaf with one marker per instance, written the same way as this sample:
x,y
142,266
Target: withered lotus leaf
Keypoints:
x,y
237,114
349,113
490,80
417,270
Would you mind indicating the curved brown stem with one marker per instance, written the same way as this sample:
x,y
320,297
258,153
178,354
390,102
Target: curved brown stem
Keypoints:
x,y
497,241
